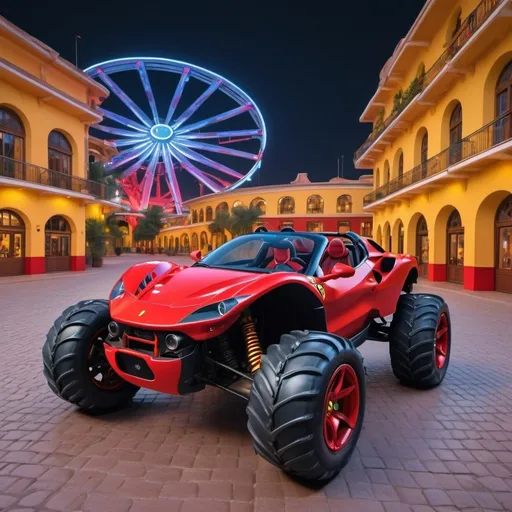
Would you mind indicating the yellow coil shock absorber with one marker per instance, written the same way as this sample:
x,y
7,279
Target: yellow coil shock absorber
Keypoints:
x,y
252,343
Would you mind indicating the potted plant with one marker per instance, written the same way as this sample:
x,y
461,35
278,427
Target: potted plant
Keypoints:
x,y
95,235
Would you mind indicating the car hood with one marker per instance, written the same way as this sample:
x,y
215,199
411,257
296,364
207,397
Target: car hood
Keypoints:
x,y
175,296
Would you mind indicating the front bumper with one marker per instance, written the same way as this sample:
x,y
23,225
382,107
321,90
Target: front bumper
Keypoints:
x,y
172,375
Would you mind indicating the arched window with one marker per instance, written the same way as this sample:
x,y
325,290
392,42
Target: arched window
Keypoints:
x,y
177,244
204,241
456,134
286,205
12,243
315,204
422,246
209,214
185,244
238,204
344,204
260,203
387,173
59,153
504,246
201,215
12,144
222,208
502,128
455,242
400,165
57,244
195,242
377,178
194,216
166,242
401,238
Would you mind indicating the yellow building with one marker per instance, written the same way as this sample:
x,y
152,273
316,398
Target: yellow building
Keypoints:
x,y
46,107
441,146
334,206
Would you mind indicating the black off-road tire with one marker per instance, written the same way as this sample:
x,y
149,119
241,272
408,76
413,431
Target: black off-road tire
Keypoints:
x,y
412,345
286,405
65,358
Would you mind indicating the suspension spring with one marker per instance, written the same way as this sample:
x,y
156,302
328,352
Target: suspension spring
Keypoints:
x,y
252,343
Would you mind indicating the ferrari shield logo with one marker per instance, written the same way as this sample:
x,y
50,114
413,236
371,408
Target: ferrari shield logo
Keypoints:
x,y
142,312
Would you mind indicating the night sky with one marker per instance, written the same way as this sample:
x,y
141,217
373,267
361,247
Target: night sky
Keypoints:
x,y
311,70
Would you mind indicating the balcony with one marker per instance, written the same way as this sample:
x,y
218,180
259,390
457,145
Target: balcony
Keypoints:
x,y
425,89
34,176
491,142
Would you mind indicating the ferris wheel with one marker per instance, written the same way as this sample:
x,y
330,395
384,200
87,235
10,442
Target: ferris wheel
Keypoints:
x,y
162,143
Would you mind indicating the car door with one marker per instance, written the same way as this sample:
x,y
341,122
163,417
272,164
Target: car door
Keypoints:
x,y
349,300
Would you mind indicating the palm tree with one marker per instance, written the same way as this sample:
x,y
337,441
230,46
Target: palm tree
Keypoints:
x,y
219,225
150,225
243,218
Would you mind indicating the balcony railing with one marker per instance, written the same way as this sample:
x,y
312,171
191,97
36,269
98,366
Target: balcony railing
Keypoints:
x,y
468,27
487,137
24,171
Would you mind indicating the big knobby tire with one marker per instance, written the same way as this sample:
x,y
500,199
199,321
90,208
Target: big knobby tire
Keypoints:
x,y
290,416
420,340
67,358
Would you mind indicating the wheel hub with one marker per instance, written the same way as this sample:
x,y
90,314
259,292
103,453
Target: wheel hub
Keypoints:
x,y
341,410
441,341
161,132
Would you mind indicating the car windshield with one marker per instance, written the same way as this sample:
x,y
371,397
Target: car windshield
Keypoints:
x,y
268,252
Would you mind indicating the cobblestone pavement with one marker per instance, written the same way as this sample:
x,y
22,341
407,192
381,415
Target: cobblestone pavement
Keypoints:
x,y
443,450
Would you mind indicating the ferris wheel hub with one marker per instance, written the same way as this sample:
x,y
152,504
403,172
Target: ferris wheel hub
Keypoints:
x,y
161,132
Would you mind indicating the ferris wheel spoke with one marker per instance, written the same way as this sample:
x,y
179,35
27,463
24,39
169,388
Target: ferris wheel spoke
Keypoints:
x,y
146,84
189,153
171,176
215,119
149,178
197,103
120,143
137,165
124,98
221,135
219,149
127,156
177,95
119,131
123,120
193,170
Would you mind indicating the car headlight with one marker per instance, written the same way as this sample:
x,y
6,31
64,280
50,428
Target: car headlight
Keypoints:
x,y
117,290
213,311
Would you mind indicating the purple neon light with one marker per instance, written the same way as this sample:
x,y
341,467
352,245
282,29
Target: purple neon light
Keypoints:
x,y
119,131
218,149
172,181
138,164
149,178
147,89
126,156
214,119
128,123
220,135
189,153
124,98
193,108
177,95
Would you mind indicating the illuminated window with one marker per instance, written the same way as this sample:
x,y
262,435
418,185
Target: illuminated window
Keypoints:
x,y
201,215
344,204
12,144
366,229
286,205
316,227
238,204
209,214
222,208
315,204
59,153
343,226
260,203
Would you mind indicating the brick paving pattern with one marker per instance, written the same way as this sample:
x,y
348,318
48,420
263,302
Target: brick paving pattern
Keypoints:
x,y
442,450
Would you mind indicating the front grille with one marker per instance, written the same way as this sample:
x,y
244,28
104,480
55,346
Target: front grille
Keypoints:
x,y
141,347
141,334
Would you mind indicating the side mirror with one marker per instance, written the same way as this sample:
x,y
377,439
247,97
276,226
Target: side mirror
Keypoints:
x,y
196,255
339,270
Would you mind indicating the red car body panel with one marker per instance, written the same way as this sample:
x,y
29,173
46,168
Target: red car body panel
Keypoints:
x,y
349,303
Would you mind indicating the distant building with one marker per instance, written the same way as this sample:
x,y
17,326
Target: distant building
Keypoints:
x,y
335,206
441,145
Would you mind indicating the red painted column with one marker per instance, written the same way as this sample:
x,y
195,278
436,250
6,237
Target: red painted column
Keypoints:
x,y
35,265
437,272
77,263
479,278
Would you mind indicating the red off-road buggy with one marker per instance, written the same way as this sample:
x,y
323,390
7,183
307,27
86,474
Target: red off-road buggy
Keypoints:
x,y
273,317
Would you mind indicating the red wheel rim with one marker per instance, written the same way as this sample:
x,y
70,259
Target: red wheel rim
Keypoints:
x,y
341,408
442,336
98,368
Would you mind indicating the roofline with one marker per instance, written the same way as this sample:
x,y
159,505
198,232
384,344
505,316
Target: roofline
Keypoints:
x,y
49,54
288,186
402,44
